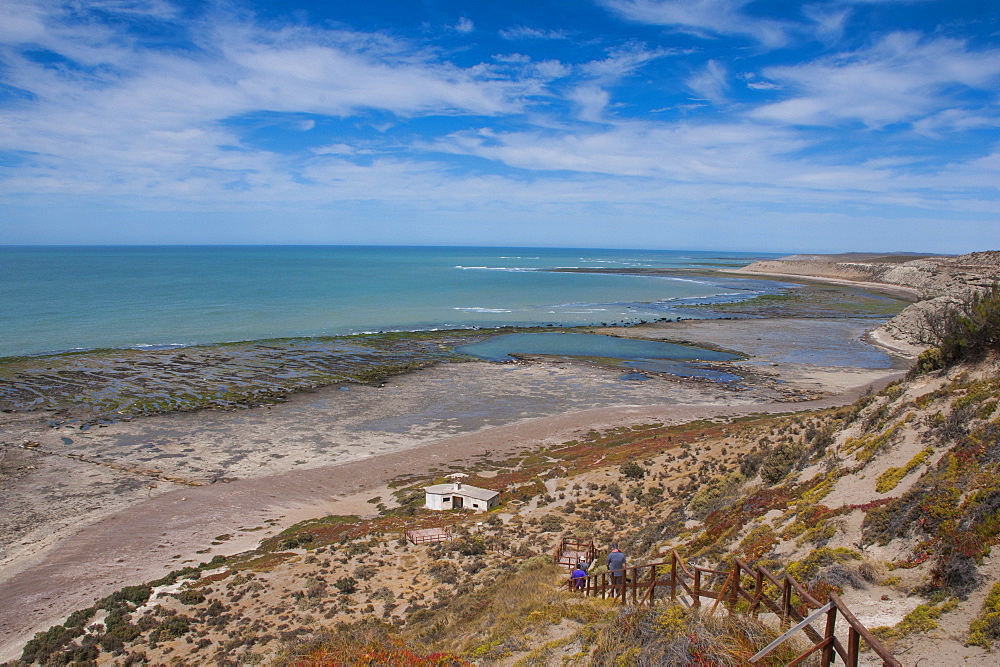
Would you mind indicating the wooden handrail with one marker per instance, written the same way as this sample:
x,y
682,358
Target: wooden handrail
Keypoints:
x,y
680,561
770,577
785,607
863,632
803,593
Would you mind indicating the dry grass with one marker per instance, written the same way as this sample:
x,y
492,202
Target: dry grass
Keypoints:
x,y
676,635
499,619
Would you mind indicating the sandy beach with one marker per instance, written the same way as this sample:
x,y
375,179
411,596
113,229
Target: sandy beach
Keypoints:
x,y
88,511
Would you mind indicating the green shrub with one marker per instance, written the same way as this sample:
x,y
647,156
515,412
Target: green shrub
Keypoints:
x,y
985,629
346,585
632,470
44,644
365,572
963,331
922,619
716,494
780,461
888,480
444,571
190,597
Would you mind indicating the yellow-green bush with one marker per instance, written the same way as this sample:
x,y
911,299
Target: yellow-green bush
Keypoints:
x,y
986,628
922,619
888,480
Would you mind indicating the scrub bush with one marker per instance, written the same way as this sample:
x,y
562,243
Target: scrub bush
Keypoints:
x,y
346,585
986,628
780,461
963,331
632,470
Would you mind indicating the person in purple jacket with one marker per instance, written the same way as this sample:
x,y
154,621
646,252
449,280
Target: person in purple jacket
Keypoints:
x,y
616,567
579,577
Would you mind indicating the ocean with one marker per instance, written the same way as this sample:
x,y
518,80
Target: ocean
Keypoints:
x,y
64,298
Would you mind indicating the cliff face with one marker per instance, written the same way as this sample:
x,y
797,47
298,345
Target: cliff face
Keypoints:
x,y
938,282
930,277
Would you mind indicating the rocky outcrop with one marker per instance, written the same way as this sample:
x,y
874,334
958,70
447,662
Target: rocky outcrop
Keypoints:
x,y
939,282
931,277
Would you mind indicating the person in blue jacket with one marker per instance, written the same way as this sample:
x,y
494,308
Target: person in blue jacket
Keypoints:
x,y
579,577
616,567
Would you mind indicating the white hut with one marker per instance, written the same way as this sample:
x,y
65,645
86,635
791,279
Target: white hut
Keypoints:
x,y
456,495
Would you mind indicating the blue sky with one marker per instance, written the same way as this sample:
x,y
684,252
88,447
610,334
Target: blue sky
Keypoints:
x,y
823,126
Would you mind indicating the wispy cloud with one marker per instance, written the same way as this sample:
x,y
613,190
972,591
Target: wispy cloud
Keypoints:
x,y
830,20
149,8
705,18
711,83
624,60
108,115
525,32
902,78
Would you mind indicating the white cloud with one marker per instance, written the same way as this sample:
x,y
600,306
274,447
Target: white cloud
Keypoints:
x,y
337,149
124,121
592,101
955,120
902,78
829,20
685,152
711,83
704,18
623,60
754,82
22,22
465,25
522,32
552,69
148,8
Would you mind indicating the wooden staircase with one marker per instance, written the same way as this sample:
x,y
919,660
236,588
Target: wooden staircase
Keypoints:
x,y
746,590
572,551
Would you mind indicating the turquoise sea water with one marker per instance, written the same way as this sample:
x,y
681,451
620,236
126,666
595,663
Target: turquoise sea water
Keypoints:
x,y
56,299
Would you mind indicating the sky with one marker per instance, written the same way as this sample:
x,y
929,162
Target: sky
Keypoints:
x,y
775,125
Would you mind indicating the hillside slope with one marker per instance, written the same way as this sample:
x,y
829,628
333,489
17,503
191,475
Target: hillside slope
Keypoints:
x,y
893,501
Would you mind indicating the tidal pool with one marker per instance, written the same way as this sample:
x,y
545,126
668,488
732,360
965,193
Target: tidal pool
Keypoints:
x,y
649,355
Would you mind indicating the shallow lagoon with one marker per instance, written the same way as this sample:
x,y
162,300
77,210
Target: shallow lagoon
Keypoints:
x,y
649,355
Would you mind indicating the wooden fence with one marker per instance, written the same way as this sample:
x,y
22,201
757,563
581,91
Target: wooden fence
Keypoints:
x,y
572,551
747,590
428,535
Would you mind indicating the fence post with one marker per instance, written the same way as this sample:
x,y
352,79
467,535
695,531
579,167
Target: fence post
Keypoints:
x,y
673,576
829,654
697,587
734,593
853,642
758,593
786,602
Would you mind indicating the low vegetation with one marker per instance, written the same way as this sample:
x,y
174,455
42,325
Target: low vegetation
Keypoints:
x,y
963,331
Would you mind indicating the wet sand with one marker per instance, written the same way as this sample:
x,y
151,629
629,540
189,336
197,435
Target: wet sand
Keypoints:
x,y
85,517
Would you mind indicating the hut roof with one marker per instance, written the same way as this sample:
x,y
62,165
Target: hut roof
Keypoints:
x,y
462,490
